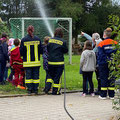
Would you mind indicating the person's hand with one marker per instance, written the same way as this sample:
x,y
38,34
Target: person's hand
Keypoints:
x,y
82,33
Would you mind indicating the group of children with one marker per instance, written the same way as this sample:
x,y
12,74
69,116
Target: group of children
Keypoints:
x,y
94,58
13,60
10,52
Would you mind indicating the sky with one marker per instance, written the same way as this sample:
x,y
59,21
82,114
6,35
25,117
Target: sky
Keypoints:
x,y
116,1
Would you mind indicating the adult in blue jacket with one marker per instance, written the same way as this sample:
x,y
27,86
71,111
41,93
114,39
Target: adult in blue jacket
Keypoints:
x,y
3,56
56,49
30,50
105,49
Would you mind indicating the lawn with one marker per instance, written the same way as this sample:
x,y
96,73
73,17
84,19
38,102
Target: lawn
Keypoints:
x,y
73,78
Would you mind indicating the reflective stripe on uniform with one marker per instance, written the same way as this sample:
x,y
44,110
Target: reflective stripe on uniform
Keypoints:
x,y
36,81
36,52
111,88
60,85
31,64
103,88
56,41
28,80
49,80
56,63
28,53
18,63
57,85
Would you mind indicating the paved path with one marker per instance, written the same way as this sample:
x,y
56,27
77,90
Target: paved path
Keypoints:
x,y
49,107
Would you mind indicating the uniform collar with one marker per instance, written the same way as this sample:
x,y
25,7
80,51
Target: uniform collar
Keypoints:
x,y
106,38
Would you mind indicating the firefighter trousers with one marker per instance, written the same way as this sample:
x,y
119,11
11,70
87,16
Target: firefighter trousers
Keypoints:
x,y
32,78
107,84
54,74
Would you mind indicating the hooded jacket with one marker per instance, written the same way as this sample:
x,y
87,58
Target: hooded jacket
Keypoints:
x,y
15,57
88,61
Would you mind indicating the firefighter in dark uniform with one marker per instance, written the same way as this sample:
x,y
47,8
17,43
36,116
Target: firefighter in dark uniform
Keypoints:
x,y
30,50
105,49
56,49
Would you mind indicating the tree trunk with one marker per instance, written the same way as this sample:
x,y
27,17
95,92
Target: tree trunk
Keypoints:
x,y
76,40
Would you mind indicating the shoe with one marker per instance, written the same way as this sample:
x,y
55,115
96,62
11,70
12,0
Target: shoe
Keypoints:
x,y
84,94
111,98
92,94
21,87
102,98
56,93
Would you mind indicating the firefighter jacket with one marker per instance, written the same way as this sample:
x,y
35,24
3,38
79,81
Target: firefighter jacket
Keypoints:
x,y
105,49
15,57
56,49
30,50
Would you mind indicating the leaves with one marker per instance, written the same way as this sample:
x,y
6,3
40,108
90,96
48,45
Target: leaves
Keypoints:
x,y
3,27
114,64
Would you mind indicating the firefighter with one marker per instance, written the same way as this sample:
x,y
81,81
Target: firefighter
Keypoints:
x,y
105,49
30,50
56,49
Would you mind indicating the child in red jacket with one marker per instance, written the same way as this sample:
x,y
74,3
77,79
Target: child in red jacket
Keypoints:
x,y
17,64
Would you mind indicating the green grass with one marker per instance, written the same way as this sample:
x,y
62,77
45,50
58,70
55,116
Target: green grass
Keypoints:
x,y
73,78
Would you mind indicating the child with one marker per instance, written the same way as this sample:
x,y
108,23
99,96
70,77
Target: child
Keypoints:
x,y
45,64
88,65
10,46
17,64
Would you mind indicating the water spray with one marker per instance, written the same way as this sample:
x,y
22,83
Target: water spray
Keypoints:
x,y
40,6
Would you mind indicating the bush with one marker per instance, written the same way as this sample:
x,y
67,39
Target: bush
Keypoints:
x,y
114,64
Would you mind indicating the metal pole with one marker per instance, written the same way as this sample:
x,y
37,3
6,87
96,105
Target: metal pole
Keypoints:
x,y
70,41
23,27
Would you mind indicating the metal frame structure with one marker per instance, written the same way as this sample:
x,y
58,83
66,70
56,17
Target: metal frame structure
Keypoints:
x,y
50,18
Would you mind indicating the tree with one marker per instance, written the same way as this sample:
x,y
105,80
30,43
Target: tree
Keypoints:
x,y
88,15
16,8
95,17
3,27
67,8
